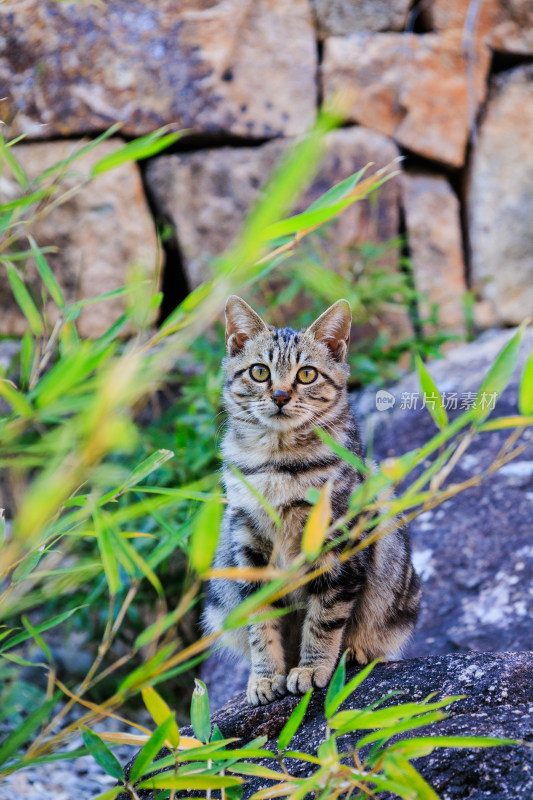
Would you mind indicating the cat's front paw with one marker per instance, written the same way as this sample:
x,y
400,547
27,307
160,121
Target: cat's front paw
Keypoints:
x,y
301,679
263,690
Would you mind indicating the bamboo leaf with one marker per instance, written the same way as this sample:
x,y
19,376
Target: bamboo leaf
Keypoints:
x,y
79,153
317,524
430,391
110,794
102,754
15,399
43,626
424,745
160,712
107,554
335,687
15,740
24,300
294,722
46,274
258,771
525,393
500,373
151,749
143,147
403,773
204,536
345,691
190,782
272,513
27,354
200,717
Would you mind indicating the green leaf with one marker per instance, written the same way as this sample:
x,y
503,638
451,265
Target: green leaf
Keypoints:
x,y
272,513
200,716
160,712
525,393
36,636
143,147
346,455
15,399
77,154
344,692
24,300
102,754
26,566
257,770
403,773
26,200
110,794
27,354
16,168
25,730
107,554
167,780
347,721
294,721
43,626
142,470
335,687
431,394
151,749
424,745
499,374
46,274
204,538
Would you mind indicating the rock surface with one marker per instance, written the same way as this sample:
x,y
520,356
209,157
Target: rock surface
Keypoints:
x,y
207,194
100,232
500,199
498,691
246,68
505,25
340,17
389,82
432,217
474,553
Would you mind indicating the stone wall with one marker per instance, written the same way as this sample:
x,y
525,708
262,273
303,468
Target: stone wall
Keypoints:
x,y
447,83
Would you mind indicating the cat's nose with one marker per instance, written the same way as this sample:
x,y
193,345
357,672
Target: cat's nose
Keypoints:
x,y
280,397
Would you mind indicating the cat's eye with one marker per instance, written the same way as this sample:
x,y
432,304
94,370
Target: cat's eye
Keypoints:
x,y
306,374
259,373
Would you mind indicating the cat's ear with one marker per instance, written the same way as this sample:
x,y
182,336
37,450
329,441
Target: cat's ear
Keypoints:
x,y
242,323
332,328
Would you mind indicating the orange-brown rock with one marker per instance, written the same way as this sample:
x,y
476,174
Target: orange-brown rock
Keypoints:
x,y
423,90
100,233
246,67
505,25
207,194
340,17
500,199
433,223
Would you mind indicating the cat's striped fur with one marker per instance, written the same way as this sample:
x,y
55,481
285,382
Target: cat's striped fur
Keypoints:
x,y
368,604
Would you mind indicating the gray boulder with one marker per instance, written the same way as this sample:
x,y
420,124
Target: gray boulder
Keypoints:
x,y
498,700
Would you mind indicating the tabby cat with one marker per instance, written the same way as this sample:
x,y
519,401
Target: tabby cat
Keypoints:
x,y
280,385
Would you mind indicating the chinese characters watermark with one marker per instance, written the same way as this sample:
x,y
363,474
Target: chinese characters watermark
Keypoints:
x,y
451,401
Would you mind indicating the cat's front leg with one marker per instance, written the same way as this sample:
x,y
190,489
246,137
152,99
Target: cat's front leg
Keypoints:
x,y
322,635
267,679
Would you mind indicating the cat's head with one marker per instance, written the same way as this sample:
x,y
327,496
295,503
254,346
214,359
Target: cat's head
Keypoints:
x,y
282,379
